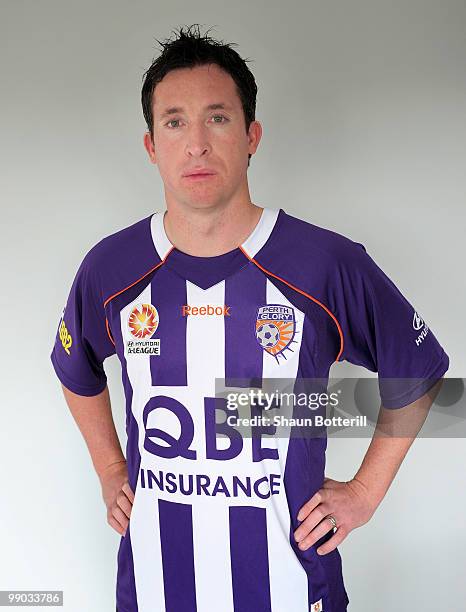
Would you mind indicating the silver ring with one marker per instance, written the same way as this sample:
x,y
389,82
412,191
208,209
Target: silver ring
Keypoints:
x,y
333,521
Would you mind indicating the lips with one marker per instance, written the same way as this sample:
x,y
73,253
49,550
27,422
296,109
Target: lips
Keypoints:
x,y
198,173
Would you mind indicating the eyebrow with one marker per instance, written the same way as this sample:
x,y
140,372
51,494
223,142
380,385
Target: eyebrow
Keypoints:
x,y
173,110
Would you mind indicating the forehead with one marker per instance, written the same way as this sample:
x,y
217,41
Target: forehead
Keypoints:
x,y
189,87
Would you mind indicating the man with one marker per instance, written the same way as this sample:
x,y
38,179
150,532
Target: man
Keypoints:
x,y
219,287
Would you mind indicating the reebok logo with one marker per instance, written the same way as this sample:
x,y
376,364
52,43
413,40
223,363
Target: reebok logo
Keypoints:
x,y
206,310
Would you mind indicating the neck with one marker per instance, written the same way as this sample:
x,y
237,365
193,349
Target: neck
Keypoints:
x,y
211,231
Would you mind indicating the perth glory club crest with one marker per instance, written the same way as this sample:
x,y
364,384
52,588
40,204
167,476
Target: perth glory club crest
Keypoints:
x,y
275,328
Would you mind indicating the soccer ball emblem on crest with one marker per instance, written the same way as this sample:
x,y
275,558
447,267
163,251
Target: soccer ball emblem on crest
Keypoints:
x,y
268,335
275,328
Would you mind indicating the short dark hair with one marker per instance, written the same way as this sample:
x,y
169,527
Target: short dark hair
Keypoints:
x,y
188,49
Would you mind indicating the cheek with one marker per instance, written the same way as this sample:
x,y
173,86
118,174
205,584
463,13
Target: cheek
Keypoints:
x,y
166,148
232,148
169,157
233,140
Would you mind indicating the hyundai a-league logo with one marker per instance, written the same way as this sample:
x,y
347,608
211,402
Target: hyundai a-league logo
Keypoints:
x,y
143,320
275,328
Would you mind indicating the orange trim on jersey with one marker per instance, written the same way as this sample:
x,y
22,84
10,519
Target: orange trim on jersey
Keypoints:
x,y
254,261
108,331
126,288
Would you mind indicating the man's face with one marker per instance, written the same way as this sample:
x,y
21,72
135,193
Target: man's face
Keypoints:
x,y
189,136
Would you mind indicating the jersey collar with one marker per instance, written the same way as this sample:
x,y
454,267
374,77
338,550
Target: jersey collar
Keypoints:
x,y
252,245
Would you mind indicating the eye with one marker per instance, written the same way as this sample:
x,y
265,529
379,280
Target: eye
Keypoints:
x,y
222,119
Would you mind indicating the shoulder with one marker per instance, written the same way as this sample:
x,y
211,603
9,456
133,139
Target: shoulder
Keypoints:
x,y
317,252
125,241
120,258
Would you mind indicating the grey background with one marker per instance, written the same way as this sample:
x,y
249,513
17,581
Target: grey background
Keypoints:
x,y
363,109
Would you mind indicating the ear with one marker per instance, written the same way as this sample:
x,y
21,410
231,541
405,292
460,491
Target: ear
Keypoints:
x,y
254,136
149,146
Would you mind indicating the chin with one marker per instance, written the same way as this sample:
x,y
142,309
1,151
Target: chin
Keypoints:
x,y
202,205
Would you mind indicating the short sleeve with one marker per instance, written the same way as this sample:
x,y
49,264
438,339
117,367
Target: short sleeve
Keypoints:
x,y
384,333
82,342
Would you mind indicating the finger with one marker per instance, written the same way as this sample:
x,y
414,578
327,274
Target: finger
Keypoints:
x,y
318,532
124,503
338,537
316,499
120,516
116,525
310,522
129,492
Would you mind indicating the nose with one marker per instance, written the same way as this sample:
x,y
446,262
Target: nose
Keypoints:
x,y
197,142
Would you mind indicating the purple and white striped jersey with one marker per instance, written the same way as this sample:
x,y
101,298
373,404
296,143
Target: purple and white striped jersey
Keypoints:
x,y
213,518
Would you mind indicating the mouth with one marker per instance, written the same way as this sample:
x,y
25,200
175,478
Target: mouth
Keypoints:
x,y
199,173
202,174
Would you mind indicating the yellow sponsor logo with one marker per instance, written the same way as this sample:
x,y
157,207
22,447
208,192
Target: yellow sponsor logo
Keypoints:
x,y
65,337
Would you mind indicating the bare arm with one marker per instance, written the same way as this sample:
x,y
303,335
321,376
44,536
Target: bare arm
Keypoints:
x,y
394,434
354,502
93,416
